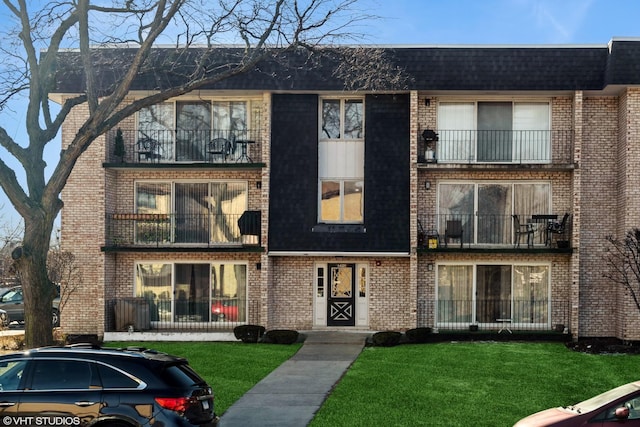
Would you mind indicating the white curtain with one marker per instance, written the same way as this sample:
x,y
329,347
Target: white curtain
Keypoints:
x,y
455,293
531,132
531,294
456,128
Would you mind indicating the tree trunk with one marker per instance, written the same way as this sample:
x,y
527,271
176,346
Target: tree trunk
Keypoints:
x,y
38,291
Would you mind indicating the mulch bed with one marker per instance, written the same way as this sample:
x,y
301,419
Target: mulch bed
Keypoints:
x,y
604,346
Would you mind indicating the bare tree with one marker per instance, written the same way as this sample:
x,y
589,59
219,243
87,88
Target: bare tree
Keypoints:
x,y
36,46
65,274
623,260
10,235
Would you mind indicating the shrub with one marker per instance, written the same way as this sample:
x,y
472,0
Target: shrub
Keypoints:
x,y
386,338
249,333
418,335
281,336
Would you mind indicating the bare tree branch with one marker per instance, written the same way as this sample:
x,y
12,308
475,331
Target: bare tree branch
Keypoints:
x,y
623,261
70,40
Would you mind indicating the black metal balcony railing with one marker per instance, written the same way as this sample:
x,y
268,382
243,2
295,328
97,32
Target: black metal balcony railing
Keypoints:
x,y
133,229
487,230
499,146
194,314
504,314
187,146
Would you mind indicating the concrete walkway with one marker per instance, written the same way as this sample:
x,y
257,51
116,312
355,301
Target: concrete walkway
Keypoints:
x,y
292,394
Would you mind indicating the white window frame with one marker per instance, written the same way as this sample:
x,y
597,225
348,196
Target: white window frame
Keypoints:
x,y
474,296
172,202
460,144
476,184
341,160
173,263
253,114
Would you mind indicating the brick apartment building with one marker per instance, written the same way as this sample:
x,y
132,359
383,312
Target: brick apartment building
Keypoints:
x,y
482,194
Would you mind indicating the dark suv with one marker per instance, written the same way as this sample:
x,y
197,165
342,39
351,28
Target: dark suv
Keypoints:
x,y
84,385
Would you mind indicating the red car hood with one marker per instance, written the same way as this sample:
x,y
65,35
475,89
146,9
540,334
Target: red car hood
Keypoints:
x,y
548,417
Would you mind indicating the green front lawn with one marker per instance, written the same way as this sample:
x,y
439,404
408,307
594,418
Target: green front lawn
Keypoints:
x,y
446,384
468,384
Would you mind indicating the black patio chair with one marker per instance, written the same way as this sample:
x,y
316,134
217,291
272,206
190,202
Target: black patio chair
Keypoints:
x,y
453,231
520,230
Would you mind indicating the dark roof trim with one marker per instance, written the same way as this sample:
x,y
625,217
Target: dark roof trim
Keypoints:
x,y
467,68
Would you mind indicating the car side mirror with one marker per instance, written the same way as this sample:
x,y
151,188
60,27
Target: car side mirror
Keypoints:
x,y
622,413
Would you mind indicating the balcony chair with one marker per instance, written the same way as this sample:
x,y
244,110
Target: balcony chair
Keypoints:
x,y
219,150
148,149
453,231
557,228
521,230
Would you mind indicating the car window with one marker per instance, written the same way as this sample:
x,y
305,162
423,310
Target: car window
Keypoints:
x,y
181,375
61,375
112,378
11,374
12,296
632,404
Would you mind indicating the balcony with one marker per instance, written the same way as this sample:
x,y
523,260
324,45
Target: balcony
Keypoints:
x,y
187,315
209,147
503,147
495,233
504,315
230,231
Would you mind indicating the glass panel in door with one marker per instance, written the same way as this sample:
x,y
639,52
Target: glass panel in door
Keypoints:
x,y
191,292
495,131
493,289
531,136
228,292
494,214
341,298
228,201
155,133
230,123
457,204
153,198
455,293
531,294
192,212
456,127
153,282
193,130
533,199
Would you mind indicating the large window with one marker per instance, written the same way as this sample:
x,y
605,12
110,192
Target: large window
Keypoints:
x,y
485,209
341,161
493,293
494,132
190,212
185,130
193,292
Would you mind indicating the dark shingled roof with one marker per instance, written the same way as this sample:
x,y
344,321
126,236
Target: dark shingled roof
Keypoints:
x,y
517,68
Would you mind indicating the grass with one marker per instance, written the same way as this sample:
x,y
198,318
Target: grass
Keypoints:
x,y
231,369
467,384
447,384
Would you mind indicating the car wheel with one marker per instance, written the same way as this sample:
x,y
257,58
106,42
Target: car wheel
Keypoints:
x,y
56,318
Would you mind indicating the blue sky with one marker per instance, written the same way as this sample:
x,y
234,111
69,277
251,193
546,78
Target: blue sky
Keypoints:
x,y
429,22
456,22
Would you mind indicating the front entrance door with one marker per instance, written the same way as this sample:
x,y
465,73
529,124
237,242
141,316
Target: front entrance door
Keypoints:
x,y
341,299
